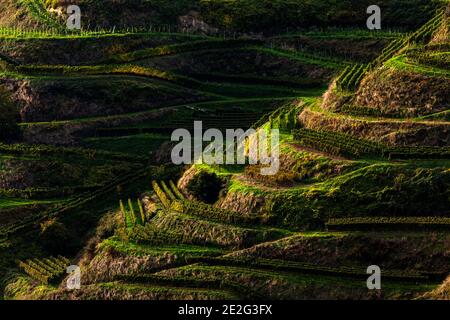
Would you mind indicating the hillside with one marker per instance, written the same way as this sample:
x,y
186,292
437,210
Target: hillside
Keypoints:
x,y
86,176
219,15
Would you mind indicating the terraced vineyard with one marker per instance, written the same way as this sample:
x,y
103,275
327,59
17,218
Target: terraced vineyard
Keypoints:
x,y
342,144
351,77
87,177
45,270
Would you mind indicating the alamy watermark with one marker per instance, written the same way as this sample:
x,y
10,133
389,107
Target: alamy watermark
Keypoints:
x,y
74,278
374,280
74,17
374,20
251,147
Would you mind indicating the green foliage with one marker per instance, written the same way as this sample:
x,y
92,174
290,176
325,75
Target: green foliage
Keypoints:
x,y
141,212
205,186
182,251
285,117
39,12
130,217
351,76
405,64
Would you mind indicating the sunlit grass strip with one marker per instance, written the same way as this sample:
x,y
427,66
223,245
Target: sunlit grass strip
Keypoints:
x,y
402,63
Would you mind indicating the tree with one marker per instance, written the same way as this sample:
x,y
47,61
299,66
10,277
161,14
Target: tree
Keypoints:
x,y
205,186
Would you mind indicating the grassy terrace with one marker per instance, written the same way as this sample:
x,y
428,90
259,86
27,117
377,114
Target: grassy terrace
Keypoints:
x,y
143,250
404,64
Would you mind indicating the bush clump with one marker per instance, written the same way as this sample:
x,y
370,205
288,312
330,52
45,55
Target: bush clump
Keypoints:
x,y
55,237
205,186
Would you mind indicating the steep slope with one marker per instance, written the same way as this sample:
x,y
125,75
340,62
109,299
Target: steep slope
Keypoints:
x,y
213,16
358,185
400,98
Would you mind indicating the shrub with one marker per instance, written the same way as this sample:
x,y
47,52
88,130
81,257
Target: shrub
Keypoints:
x,y
205,186
55,236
